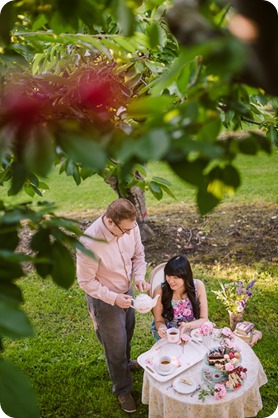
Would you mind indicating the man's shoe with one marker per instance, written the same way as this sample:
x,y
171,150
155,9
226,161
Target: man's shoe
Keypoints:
x,y
127,403
134,366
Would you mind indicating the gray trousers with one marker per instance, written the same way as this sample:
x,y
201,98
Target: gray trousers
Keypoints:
x,y
114,328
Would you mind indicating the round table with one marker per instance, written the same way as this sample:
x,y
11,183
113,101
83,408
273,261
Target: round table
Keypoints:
x,y
165,402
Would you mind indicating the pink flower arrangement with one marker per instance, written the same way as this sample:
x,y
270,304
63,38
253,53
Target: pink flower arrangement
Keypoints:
x,y
206,328
219,391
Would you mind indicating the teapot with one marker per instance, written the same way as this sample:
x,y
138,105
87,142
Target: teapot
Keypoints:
x,y
144,303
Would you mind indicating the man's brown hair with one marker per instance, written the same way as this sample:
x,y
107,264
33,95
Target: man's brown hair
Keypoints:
x,y
121,209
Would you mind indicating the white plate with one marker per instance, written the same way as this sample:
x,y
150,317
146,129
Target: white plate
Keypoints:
x,y
184,388
164,373
173,350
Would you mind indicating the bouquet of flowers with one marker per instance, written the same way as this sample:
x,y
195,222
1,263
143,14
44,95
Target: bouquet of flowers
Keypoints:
x,y
235,295
207,328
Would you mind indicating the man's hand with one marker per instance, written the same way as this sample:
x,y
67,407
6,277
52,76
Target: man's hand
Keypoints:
x,y
142,285
123,301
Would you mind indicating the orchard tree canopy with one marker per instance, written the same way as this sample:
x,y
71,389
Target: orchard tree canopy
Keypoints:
x,y
104,87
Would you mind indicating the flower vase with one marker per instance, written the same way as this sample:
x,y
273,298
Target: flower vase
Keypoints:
x,y
235,318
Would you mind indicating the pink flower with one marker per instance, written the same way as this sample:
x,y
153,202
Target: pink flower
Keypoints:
x,y
149,361
243,375
229,367
187,312
220,391
206,328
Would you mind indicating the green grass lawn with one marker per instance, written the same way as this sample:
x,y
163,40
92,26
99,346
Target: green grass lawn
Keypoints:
x,y
64,360
259,180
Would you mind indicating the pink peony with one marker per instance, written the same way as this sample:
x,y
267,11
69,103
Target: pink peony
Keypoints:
x,y
206,328
220,391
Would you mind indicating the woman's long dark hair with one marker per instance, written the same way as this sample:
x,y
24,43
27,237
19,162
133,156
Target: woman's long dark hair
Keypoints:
x,y
179,266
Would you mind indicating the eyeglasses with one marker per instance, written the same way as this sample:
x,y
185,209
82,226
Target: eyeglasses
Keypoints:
x,y
124,231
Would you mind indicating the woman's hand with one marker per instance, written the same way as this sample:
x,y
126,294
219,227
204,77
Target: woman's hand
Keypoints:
x,y
185,327
162,331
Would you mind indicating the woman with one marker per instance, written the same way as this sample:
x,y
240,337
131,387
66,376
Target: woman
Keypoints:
x,y
183,301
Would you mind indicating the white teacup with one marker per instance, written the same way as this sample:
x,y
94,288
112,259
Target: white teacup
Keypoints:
x,y
173,335
165,363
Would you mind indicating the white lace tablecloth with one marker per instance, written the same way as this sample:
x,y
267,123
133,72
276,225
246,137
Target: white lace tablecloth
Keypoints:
x,y
165,402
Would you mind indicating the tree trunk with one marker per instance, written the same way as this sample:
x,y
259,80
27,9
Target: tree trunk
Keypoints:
x,y
137,197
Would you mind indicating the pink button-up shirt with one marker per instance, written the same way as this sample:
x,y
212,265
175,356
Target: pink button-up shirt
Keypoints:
x,y
118,259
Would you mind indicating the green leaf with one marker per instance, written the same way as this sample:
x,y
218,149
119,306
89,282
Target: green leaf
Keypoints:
x,y
143,107
210,130
85,151
168,191
161,181
10,292
206,201
127,44
156,190
156,35
228,175
171,74
7,20
192,172
8,239
17,397
248,145
141,169
29,190
63,272
39,22
125,17
13,321
41,241
39,152
10,271
18,178
153,145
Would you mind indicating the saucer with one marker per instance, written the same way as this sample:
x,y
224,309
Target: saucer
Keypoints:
x,y
184,388
173,350
164,373
195,333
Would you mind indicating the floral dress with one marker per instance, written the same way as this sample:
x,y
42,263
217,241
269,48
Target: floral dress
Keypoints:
x,y
183,312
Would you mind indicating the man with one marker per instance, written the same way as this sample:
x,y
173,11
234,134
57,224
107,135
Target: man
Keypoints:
x,y
115,240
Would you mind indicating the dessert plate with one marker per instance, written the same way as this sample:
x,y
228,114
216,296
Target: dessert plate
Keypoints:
x,y
182,387
164,373
172,350
210,376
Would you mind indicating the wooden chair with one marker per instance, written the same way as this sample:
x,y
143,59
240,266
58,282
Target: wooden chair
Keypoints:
x,y
156,277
